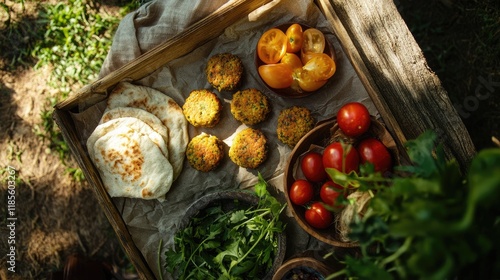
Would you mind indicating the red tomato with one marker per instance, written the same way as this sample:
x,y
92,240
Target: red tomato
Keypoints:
x,y
333,157
271,46
373,151
295,38
353,119
312,167
276,75
329,193
318,216
301,192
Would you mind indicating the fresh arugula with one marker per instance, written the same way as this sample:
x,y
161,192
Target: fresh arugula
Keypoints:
x,y
229,244
430,221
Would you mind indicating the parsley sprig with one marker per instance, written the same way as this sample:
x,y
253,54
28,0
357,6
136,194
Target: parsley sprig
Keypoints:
x,y
430,221
229,244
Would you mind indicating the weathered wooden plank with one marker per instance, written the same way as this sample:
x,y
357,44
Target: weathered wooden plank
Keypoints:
x,y
392,67
200,32
65,122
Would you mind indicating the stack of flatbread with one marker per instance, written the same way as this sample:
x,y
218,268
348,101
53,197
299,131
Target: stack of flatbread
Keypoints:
x,y
140,142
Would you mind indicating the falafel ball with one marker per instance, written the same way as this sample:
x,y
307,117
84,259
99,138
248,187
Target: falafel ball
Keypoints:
x,y
202,108
224,71
249,148
205,152
293,123
250,106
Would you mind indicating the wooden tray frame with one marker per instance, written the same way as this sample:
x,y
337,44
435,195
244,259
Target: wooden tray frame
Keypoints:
x,y
391,66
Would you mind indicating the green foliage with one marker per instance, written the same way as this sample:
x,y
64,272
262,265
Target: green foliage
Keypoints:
x,y
76,41
432,223
48,131
18,35
236,244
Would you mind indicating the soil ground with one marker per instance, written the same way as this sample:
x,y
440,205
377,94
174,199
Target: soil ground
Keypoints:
x,y
57,216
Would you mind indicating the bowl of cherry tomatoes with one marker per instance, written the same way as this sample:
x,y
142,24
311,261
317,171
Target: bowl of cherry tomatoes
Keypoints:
x,y
294,60
344,142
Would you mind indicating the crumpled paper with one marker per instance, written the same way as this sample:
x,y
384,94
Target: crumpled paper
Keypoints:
x,y
150,221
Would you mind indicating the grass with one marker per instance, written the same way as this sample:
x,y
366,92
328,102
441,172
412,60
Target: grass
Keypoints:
x,y
72,38
17,36
460,40
75,42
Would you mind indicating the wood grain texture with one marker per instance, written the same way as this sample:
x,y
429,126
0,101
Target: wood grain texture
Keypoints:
x,y
392,67
64,120
197,34
408,95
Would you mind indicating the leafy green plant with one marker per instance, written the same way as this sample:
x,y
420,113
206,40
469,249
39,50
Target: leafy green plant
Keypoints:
x,y
18,34
431,223
47,130
76,41
234,244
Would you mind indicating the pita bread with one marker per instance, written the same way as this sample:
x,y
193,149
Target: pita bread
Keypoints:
x,y
131,164
148,118
132,123
163,107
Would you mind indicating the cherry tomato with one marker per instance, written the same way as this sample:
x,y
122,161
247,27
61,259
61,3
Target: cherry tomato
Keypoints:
x,y
306,82
353,119
312,167
292,60
295,38
318,216
320,67
276,75
301,192
334,157
271,46
314,41
373,151
329,193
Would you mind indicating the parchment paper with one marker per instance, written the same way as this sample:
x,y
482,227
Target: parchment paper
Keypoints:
x,y
150,221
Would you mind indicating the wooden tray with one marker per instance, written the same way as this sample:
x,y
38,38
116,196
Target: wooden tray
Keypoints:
x,y
407,94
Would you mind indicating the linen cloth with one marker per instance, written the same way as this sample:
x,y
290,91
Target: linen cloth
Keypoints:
x,y
155,22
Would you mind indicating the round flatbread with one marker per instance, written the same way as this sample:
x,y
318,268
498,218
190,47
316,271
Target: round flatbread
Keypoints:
x,y
163,107
131,164
132,123
148,118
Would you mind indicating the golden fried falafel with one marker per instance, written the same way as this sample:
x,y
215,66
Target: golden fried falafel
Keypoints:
x,y
202,108
250,106
249,148
293,123
224,71
205,152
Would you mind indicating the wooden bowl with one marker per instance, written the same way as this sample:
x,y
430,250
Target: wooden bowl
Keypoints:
x,y
229,198
291,92
323,134
305,264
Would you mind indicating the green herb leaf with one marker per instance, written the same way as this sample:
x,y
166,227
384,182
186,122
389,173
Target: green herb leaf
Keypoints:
x,y
430,222
227,245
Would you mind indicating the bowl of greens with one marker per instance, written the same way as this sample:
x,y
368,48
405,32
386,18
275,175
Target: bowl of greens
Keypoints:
x,y
229,235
